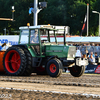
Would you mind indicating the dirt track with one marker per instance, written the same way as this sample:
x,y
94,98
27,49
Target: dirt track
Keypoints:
x,y
73,88
46,87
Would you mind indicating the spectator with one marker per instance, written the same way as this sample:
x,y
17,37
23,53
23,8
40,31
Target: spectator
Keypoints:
x,y
87,53
96,57
91,53
78,53
91,59
84,56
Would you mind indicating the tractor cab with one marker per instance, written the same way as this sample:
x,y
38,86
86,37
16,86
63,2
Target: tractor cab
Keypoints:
x,y
37,34
38,38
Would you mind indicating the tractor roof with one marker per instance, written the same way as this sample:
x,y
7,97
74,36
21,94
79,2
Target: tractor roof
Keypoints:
x,y
49,27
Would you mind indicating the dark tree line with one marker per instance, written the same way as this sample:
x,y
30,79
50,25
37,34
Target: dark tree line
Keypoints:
x,y
58,12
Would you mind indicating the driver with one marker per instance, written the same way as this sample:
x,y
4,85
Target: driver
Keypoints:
x,y
34,38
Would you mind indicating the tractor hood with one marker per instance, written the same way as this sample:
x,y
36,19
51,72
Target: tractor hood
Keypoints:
x,y
61,51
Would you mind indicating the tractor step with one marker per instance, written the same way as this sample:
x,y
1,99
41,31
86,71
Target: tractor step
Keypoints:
x,y
36,62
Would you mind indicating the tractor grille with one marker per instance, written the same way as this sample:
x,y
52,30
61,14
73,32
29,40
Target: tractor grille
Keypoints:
x,y
71,52
36,49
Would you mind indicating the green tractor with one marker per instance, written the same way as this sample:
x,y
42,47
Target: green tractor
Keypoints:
x,y
38,52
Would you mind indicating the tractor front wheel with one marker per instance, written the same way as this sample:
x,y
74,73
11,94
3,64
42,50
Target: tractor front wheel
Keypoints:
x,y
54,67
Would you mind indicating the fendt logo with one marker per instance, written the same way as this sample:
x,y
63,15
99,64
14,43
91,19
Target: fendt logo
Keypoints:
x,y
3,41
7,41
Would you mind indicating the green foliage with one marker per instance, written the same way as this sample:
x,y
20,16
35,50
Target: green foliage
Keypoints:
x,y
58,12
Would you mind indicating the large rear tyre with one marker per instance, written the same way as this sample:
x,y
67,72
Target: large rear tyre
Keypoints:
x,y
28,68
77,71
54,67
14,61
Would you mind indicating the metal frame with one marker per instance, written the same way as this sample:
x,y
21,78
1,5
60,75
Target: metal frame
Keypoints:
x,y
6,19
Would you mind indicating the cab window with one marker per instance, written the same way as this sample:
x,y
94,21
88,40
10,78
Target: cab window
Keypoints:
x,y
34,38
24,36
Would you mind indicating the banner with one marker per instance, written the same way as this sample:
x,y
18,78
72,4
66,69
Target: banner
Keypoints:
x,y
92,69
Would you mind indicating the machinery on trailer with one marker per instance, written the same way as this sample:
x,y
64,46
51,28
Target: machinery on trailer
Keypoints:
x,y
42,55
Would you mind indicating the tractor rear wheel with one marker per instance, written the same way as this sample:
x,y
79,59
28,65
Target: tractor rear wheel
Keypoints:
x,y
14,61
28,68
54,67
77,71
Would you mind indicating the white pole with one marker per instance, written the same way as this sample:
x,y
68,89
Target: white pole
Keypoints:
x,y
35,12
13,12
87,19
99,20
5,31
99,24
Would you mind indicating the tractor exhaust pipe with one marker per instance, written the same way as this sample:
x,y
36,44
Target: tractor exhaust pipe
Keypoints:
x,y
65,35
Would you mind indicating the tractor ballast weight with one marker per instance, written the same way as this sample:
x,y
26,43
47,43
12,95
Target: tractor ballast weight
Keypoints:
x,y
38,52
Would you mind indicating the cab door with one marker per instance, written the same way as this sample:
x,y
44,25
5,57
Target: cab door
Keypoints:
x,y
34,42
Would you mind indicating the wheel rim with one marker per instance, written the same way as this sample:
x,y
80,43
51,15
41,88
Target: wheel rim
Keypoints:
x,y
74,70
12,61
53,68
